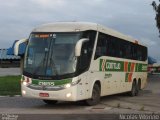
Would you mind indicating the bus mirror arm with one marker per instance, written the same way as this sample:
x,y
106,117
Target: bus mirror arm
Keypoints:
x,y
17,45
79,46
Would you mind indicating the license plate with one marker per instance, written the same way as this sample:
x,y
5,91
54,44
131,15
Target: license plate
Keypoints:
x,y
43,94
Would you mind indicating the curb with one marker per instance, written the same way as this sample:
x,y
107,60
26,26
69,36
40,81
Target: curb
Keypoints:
x,y
10,96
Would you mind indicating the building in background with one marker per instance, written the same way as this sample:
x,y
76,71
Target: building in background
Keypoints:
x,y
153,66
18,49
13,57
8,60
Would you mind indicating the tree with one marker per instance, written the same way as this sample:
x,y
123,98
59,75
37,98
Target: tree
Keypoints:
x,y
157,10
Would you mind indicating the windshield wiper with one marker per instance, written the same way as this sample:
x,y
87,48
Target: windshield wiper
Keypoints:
x,y
50,54
53,66
52,63
40,64
48,61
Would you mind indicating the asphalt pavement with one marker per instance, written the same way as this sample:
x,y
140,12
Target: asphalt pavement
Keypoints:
x,y
148,102
9,71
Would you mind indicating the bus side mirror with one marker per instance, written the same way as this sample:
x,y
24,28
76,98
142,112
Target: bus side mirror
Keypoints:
x,y
79,46
19,47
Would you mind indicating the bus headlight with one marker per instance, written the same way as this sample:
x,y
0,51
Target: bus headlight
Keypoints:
x,y
75,82
24,83
67,85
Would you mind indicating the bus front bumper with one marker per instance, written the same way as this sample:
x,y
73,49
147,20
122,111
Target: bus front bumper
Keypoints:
x,y
68,94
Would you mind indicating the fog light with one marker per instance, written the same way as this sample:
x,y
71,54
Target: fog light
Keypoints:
x,y
23,92
68,95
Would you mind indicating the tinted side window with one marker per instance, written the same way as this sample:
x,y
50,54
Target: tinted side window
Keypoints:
x,y
115,47
86,51
101,48
112,47
144,55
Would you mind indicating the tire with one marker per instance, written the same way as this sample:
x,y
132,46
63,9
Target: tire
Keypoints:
x,y
139,85
95,99
50,102
135,89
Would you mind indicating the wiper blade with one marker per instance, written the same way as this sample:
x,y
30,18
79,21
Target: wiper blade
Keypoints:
x,y
39,65
52,63
42,63
53,66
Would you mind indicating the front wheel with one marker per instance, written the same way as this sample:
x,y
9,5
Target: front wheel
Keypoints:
x,y
50,102
135,89
95,99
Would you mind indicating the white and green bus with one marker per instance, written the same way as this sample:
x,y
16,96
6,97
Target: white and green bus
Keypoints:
x,y
74,61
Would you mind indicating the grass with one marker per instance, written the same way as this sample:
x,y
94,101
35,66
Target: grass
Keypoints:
x,y
10,85
142,108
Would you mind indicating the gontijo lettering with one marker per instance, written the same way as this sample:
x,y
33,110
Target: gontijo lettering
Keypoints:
x,y
110,65
113,65
121,66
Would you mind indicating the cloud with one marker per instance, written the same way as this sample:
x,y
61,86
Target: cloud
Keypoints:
x,y
49,3
148,42
135,18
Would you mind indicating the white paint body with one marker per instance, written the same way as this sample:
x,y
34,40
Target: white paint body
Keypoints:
x,y
83,90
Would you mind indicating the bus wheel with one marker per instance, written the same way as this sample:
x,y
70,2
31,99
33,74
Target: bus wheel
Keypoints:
x,y
135,89
50,102
95,99
139,85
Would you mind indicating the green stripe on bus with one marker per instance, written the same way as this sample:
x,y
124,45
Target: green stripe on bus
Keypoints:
x,y
118,66
111,65
136,69
100,64
56,82
129,66
126,77
142,68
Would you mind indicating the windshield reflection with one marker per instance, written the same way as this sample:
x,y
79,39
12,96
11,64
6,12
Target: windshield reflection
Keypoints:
x,y
51,54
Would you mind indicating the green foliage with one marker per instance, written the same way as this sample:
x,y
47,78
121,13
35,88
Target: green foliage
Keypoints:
x,y
157,10
10,85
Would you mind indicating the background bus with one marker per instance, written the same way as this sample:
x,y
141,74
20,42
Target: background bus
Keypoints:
x,y
154,68
73,61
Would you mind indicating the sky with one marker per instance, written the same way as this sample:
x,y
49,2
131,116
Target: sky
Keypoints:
x,y
135,18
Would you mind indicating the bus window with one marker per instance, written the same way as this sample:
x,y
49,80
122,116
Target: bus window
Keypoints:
x,y
86,51
101,49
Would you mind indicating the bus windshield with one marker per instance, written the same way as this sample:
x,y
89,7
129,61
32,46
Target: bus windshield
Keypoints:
x,y
51,54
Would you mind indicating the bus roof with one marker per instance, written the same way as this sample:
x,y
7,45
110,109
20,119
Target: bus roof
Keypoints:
x,y
81,26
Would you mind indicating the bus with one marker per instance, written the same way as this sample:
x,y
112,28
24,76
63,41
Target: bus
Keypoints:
x,y
154,69
81,61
